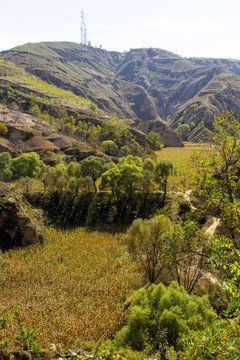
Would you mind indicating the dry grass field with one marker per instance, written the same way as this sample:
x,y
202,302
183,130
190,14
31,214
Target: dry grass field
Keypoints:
x,y
183,159
72,287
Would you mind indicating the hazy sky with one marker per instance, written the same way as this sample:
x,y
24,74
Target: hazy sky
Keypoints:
x,y
207,28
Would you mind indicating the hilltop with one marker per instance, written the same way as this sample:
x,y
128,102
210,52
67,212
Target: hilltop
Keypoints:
x,y
146,84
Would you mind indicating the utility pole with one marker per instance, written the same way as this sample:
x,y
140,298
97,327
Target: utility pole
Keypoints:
x,y
83,30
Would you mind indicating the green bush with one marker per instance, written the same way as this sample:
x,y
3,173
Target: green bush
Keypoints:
x,y
159,308
28,339
221,340
26,165
183,131
154,140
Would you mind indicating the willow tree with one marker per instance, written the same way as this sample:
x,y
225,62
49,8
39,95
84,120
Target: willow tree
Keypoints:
x,y
163,170
146,240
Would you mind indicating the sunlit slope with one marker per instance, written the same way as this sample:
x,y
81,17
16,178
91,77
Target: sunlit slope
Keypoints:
x,y
141,83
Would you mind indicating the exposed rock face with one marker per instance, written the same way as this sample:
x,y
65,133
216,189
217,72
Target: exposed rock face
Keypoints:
x,y
19,225
168,137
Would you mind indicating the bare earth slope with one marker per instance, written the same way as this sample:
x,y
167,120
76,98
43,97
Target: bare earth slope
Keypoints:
x,y
142,83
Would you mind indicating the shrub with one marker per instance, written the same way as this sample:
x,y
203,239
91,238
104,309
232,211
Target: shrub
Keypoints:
x,y
3,129
109,147
219,341
154,140
161,308
184,207
183,131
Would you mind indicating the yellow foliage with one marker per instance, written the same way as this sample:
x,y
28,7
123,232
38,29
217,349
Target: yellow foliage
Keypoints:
x,y
3,129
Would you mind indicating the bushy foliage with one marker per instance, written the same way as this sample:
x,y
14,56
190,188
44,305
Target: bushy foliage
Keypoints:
x,y
154,139
109,147
163,170
3,129
93,166
160,245
5,159
183,131
220,340
146,241
26,165
158,308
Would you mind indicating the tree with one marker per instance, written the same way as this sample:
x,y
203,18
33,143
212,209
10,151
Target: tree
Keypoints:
x,y
158,308
146,240
187,254
125,178
111,180
154,139
217,190
183,131
55,177
163,169
93,166
159,246
26,165
219,173
148,175
109,147
5,159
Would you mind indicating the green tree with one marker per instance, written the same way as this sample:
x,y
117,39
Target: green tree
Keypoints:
x,y
187,254
125,178
111,180
217,189
219,173
71,121
154,140
183,131
55,177
5,159
163,169
26,165
93,166
158,308
146,241
109,147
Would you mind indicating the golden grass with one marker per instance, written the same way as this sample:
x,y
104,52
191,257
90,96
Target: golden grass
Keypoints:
x,y
182,159
72,287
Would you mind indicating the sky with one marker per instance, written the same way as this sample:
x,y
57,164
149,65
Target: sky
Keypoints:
x,y
203,28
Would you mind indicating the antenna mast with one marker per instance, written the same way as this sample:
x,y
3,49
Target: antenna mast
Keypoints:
x,y
83,30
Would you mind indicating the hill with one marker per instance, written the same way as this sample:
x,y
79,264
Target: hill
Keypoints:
x,y
143,83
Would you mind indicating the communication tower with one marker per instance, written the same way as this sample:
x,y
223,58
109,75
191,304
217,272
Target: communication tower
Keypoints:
x,y
83,30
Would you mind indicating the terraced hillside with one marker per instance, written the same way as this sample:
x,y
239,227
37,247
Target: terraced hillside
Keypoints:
x,y
142,83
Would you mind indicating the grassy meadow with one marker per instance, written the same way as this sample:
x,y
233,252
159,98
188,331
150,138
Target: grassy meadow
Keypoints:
x,y
185,160
72,287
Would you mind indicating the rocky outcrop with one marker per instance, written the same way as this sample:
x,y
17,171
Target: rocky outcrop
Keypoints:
x,y
20,225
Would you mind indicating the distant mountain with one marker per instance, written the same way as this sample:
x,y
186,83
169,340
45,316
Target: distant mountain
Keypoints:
x,y
143,83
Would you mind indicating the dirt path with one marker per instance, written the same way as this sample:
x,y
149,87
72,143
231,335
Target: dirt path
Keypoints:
x,y
216,221
212,228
